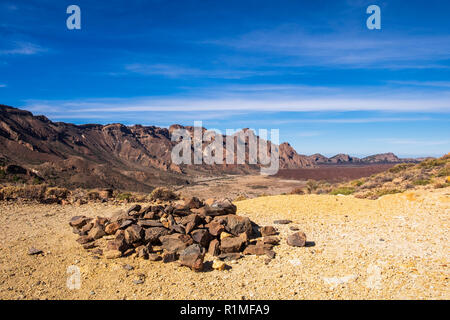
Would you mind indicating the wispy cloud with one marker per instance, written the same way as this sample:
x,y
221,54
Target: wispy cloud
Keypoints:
x,y
225,101
3,85
22,48
349,50
416,142
435,84
178,71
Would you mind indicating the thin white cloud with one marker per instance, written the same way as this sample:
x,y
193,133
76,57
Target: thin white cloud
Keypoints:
x,y
23,48
300,48
416,142
3,86
177,71
435,84
229,102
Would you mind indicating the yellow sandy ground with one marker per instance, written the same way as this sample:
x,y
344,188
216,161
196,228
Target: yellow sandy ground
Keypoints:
x,y
392,248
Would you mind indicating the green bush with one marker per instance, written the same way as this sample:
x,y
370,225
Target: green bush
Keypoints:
x,y
383,192
433,163
124,196
421,182
343,190
444,172
401,167
163,194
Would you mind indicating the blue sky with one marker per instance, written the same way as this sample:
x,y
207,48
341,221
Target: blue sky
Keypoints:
x,y
309,68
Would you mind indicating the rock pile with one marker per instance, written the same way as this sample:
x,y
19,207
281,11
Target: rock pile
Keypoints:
x,y
183,230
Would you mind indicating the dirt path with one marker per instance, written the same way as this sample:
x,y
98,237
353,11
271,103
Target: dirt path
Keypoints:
x,y
394,247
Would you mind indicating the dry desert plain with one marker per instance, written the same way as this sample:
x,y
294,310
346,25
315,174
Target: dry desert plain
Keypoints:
x,y
396,247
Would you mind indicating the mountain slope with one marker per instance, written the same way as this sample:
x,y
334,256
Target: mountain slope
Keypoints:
x,y
135,158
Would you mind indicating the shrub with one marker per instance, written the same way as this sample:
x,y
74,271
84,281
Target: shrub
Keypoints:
x,y
162,193
383,192
240,198
37,180
124,196
421,182
433,163
357,183
93,195
343,190
2,174
297,191
441,185
444,172
401,167
311,186
26,192
57,193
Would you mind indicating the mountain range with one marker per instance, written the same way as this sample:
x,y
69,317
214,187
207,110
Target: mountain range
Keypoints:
x,y
134,158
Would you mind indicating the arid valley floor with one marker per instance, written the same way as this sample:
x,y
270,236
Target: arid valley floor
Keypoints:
x,y
395,247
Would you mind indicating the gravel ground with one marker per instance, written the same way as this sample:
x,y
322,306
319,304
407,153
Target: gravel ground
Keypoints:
x,y
396,247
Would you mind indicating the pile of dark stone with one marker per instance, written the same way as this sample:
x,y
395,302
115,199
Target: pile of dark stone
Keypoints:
x,y
183,231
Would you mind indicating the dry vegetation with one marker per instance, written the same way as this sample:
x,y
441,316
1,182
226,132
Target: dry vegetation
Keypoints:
x,y
429,174
45,194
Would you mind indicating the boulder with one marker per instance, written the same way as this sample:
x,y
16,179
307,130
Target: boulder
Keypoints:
x,y
282,221
268,231
96,232
86,228
112,228
142,252
150,216
126,223
271,240
169,257
238,225
192,218
154,257
135,208
255,249
297,239
113,254
175,242
133,234
79,221
84,239
215,228
221,207
214,247
202,237
192,257
152,235
232,244
149,223
118,243
193,203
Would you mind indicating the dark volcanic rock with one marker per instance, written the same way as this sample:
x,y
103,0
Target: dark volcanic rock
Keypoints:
x,y
153,235
175,242
232,244
268,231
282,221
201,236
238,225
169,257
214,247
192,257
297,239
133,234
